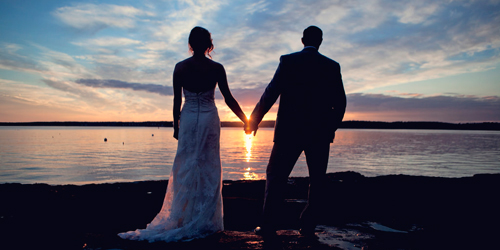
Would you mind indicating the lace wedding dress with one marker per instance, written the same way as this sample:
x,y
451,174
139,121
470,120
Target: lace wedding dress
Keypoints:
x,y
193,203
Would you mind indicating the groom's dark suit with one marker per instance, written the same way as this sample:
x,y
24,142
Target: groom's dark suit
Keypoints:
x,y
311,108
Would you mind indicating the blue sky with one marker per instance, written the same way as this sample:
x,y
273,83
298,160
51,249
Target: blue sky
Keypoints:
x,y
113,60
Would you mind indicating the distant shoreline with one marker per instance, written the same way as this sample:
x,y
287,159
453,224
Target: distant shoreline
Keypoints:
x,y
270,124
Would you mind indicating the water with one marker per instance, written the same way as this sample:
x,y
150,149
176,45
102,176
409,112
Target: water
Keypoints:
x,y
79,155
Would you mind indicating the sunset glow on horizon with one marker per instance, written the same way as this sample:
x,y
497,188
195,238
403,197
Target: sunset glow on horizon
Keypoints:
x,y
113,60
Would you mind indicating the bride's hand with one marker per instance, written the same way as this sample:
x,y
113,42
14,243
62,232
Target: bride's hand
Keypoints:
x,y
246,127
249,128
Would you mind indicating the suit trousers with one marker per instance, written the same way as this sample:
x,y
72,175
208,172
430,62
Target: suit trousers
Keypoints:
x,y
284,155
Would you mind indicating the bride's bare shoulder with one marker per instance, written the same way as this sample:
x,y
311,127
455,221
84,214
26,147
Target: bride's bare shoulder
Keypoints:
x,y
216,65
192,63
182,64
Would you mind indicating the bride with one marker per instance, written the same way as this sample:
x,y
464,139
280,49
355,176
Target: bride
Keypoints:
x,y
193,203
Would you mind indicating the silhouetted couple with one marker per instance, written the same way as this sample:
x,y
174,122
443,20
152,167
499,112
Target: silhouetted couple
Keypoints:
x,y
311,108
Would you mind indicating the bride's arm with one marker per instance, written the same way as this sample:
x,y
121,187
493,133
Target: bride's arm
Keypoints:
x,y
228,97
177,101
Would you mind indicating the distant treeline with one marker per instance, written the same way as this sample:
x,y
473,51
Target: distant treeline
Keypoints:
x,y
345,124
91,124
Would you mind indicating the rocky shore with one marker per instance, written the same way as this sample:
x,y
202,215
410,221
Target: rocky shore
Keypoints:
x,y
386,212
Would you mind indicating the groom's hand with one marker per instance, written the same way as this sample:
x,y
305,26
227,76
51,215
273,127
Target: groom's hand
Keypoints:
x,y
248,132
332,136
176,134
253,127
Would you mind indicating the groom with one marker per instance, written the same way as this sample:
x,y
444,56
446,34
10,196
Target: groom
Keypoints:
x,y
311,109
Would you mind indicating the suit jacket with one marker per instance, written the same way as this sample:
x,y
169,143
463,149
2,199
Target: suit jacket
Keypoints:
x,y
312,98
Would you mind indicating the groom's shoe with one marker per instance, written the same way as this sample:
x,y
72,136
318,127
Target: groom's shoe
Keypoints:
x,y
265,232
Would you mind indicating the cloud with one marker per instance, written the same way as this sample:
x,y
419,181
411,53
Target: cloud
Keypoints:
x,y
246,97
11,59
61,65
453,108
377,43
22,102
152,88
366,102
180,17
15,109
90,97
109,102
27,103
108,42
99,16
398,50
41,61
417,12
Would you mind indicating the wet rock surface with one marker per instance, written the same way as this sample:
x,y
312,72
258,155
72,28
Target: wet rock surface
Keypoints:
x,y
386,212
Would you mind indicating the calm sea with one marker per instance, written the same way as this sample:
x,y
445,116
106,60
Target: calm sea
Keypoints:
x,y
79,155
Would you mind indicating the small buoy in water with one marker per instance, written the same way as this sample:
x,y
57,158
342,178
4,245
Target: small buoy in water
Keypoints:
x,y
105,139
152,134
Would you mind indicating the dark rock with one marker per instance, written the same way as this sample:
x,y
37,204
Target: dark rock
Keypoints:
x,y
436,213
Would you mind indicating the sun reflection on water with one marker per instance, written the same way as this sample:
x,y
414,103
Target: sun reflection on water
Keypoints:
x,y
248,174
248,146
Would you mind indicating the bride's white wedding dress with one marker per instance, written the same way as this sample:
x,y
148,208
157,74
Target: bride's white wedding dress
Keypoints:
x,y
193,203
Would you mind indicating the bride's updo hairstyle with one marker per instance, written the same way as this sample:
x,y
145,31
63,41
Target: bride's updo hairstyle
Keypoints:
x,y
200,41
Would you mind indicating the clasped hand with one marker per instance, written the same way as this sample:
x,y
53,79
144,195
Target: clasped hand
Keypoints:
x,y
249,127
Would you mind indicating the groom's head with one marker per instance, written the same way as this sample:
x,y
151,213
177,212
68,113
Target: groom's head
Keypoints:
x,y
313,36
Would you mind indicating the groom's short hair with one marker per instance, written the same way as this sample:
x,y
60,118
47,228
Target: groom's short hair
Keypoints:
x,y
312,35
313,32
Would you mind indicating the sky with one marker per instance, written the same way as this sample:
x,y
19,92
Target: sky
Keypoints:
x,y
417,60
